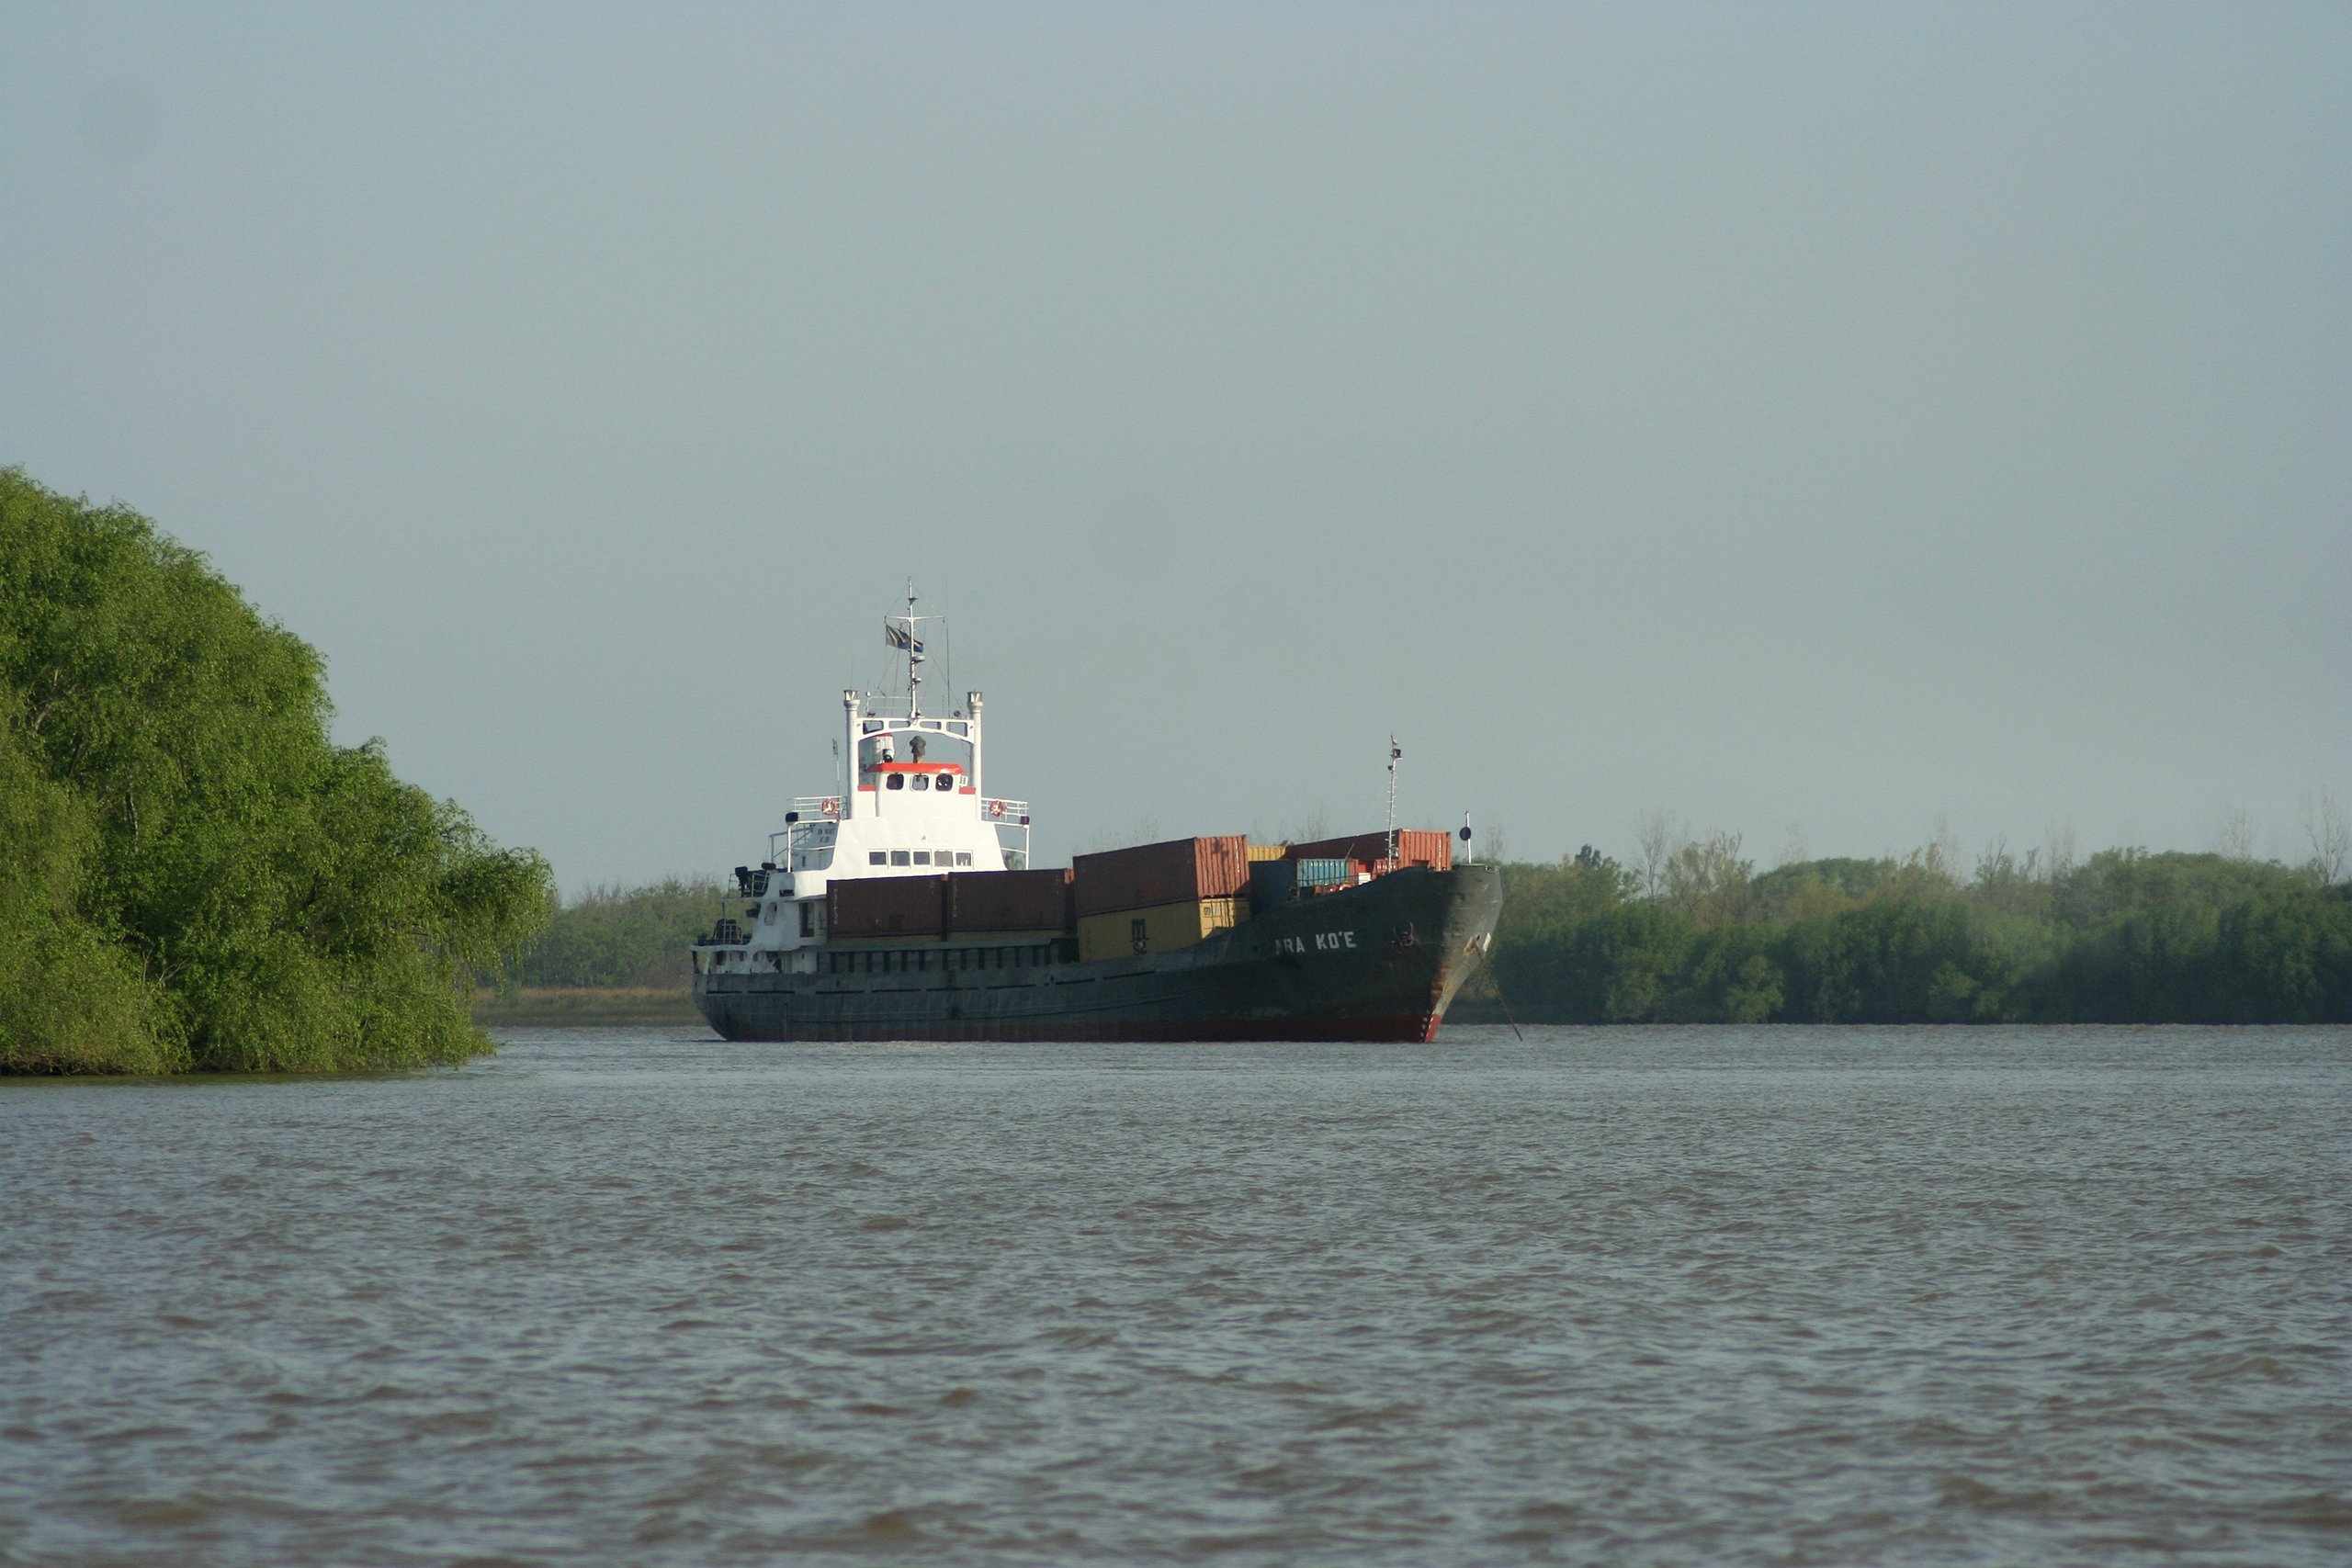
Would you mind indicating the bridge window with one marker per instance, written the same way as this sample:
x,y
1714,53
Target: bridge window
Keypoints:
x,y
877,857
897,780
901,857
922,857
922,780
963,857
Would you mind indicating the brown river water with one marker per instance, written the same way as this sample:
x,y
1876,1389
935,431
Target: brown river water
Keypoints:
x,y
1601,1296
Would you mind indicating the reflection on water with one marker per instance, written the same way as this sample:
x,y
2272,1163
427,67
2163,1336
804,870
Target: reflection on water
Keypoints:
x,y
1650,1295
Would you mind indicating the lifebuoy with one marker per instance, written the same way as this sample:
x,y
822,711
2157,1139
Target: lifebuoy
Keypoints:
x,y
832,808
996,808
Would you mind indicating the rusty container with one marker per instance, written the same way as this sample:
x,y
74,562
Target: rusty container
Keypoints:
x,y
1010,901
1174,872
1415,846
910,907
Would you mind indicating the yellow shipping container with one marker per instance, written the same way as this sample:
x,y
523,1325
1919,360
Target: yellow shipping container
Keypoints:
x,y
1160,929
1267,851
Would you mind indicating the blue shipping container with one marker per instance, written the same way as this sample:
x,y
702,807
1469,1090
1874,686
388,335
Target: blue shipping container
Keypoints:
x,y
1322,873
1272,882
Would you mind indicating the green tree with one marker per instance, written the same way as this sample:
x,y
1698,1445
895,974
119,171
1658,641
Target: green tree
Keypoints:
x,y
624,936
2128,936
235,890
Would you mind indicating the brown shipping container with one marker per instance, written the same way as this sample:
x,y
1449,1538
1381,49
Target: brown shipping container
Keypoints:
x,y
1162,929
1415,846
1010,901
1170,873
888,906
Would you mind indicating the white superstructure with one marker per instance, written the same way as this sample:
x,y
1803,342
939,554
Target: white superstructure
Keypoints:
x,y
913,806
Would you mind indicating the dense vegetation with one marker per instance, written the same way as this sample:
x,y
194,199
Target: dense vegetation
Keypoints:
x,y
622,938
2128,936
192,874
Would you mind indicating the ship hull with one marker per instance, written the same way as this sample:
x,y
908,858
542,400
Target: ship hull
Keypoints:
x,y
1379,962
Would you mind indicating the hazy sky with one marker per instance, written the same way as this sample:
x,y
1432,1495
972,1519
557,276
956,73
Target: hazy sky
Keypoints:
x,y
1840,416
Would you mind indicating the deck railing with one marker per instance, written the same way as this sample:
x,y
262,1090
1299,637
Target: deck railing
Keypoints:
x,y
811,826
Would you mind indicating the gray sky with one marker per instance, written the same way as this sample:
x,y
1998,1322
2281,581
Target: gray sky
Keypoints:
x,y
1840,416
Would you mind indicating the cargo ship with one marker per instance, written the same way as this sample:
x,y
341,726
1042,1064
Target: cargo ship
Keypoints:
x,y
903,907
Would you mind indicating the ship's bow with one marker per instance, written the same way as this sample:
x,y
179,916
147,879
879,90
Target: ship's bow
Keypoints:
x,y
1472,901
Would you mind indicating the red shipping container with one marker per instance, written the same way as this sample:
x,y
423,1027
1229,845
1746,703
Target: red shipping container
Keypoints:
x,y
1171,872
888,906
1415,846
1010,901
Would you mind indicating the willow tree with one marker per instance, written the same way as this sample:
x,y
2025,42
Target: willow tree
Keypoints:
x,y
193,875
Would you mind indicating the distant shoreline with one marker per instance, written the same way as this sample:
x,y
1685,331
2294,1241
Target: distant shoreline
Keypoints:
x,y
543,1005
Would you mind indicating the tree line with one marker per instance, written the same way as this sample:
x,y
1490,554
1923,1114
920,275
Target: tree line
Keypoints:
x,y
2128,936
618,938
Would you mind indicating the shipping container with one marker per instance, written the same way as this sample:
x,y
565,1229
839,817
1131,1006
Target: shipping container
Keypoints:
x,y
1415,846
1267,852
1323,872
910,907
1147,876
1272,882
1010,901
1160,929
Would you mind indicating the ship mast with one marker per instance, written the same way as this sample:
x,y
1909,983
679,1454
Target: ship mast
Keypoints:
x,y
1395,751
904,633
914,658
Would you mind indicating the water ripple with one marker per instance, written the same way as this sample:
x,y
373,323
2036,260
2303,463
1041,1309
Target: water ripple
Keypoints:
x,y
1770,1296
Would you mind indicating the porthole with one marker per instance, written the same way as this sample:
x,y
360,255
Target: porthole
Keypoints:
x,y
897,780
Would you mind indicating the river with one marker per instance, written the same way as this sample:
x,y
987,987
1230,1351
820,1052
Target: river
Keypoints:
x,y
1716,1295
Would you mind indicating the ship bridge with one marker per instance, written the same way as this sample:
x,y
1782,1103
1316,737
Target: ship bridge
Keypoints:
x,y
912,804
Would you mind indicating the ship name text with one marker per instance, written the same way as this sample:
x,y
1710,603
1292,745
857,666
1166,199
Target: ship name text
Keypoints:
x,y
1323,941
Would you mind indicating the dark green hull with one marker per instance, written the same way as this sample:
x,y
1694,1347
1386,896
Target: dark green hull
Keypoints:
x,y
1380,961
